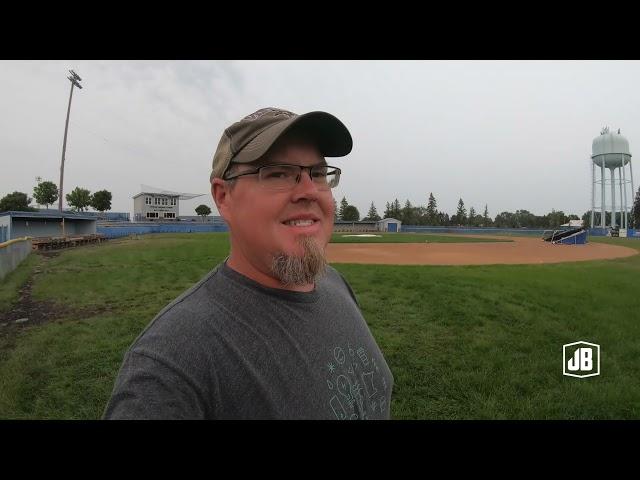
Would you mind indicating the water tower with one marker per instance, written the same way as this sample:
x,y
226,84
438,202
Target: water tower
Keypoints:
x,y
611,151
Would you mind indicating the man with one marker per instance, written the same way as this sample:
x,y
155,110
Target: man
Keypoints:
x,y
272,332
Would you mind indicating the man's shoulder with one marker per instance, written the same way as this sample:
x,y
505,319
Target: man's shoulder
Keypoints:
x,y
188,314
335,280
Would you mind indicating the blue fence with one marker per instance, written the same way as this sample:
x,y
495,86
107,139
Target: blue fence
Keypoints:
x,y
602,232
596,232
472,230
116,231
124,230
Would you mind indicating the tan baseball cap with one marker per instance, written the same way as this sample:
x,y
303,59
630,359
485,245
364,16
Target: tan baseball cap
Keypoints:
x,y
251,137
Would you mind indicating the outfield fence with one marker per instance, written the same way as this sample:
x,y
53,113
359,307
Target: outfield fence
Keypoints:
x,y
596,232
12,253
120,230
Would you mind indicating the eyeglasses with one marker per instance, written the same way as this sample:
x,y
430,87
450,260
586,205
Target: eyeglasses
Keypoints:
x,y
285,176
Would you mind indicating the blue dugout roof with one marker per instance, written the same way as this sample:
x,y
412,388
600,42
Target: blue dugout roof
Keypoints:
x,y
53,214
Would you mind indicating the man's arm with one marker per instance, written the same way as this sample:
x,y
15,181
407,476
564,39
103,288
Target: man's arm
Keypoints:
x,y
148,388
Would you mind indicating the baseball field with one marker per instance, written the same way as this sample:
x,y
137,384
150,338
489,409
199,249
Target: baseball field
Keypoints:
x,y
477,340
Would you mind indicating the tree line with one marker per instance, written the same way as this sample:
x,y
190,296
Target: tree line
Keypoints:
x,y
46,193
80,199
429,214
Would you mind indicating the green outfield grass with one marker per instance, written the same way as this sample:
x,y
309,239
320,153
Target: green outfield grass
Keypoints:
x,y
462,341
407,238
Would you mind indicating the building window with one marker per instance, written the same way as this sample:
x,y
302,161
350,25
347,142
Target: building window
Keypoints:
x,y
152,214
173,201
169,215
147,200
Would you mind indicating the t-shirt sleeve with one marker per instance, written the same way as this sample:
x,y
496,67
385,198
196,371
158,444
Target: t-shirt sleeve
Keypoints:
x,y
149,388
351,292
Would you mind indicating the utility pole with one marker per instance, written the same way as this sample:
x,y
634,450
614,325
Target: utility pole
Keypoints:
x,y
75,80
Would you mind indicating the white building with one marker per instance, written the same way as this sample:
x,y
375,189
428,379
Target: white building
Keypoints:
x,y
389,225
154,204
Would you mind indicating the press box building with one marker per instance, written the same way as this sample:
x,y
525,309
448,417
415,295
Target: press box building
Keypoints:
x,y
153,204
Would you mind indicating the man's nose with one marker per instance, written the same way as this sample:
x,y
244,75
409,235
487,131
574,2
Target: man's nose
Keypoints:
x,y
305,188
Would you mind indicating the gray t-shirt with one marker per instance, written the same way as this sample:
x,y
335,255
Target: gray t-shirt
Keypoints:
x,y
230,348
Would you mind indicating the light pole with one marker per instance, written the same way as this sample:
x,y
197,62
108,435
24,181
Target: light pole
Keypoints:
x,y
75,82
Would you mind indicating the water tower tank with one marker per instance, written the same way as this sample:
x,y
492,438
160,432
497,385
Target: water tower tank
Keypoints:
x,y
610,148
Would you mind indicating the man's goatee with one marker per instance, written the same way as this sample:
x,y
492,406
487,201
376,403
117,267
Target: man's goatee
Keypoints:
x,y
293,270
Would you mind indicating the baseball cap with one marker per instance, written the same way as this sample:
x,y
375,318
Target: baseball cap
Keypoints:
x,y
250,138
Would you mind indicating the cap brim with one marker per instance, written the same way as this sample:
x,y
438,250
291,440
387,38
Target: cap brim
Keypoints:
x,y
331,136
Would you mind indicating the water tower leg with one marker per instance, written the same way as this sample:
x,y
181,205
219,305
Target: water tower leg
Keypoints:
x,y
624,183
633,192
593,191
613,197
602,212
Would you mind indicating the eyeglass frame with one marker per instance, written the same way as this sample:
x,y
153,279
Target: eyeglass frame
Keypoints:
x,y
301,167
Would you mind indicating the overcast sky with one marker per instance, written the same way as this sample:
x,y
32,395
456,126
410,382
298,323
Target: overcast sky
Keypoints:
x,y
510,134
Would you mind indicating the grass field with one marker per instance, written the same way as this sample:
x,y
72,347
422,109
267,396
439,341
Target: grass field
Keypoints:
x,y
480,342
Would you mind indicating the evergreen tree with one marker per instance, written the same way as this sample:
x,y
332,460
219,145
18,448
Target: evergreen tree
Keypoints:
x,y
635,212
373,213
396,210
343,204
432,210
406,214
387,211
461,213
472,217
485,217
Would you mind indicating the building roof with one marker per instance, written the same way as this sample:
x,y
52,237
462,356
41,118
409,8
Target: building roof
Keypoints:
x,y
147,190
53,214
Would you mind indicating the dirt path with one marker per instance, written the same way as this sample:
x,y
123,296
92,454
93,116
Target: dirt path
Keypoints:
x,y
27,312
521,250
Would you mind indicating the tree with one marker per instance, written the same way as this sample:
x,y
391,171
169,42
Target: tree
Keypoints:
x,y
505,220
556,218
17,201
635,212
396,210
343,204
524,218
203,211
79,199
46,193
432,210
387,211
350,214
101,200
373,213
461,213
472,217
407,214
485,217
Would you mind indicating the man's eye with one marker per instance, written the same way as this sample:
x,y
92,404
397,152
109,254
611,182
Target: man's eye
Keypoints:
x,y
282,173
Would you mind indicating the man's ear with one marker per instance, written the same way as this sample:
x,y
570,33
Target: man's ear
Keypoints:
x,y
220,194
